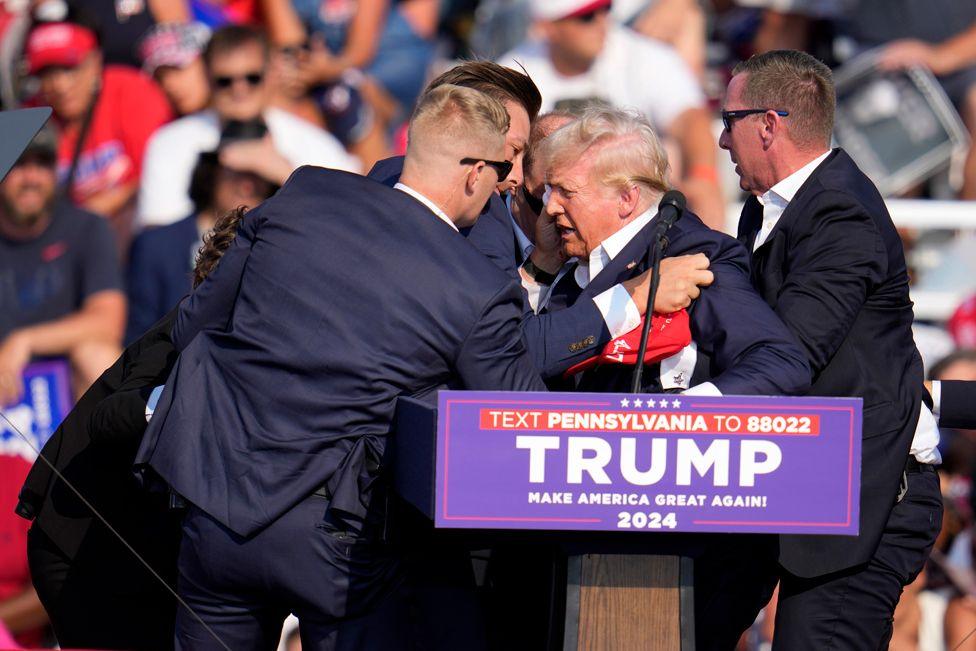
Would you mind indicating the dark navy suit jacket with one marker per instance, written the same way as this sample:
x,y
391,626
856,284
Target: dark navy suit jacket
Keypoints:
x,y
833,269
556,341
958,404
338,295
742,347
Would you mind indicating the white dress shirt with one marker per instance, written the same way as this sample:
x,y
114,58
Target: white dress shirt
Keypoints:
x,y
619,311
774,202
434,208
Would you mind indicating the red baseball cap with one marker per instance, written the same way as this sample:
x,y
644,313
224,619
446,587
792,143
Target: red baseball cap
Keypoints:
x,y
58,44
560,9
962,324
670,333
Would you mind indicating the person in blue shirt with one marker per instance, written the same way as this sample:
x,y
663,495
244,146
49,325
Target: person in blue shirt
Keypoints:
x,y
161,261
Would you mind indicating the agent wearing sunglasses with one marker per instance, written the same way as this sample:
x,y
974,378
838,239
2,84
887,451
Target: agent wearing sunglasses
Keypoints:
x,y
394,302
236,60
828,260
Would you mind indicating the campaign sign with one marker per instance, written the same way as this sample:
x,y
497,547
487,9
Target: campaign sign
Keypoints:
x,y
612,462
46,401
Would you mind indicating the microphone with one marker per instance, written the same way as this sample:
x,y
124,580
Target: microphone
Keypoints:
x,y
669,210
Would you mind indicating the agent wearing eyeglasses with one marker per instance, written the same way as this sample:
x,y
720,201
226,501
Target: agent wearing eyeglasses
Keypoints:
x,y
827,259
236,60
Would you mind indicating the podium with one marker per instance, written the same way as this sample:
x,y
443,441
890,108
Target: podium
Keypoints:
x,y
613,478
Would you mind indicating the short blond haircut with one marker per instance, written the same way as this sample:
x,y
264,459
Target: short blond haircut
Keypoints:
x,y
621,144
457,121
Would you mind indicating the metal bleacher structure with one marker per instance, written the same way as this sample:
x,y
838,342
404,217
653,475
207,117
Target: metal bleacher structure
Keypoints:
x,y
931,305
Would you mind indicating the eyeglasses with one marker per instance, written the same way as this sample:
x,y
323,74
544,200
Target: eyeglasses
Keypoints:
x,y
252,78
502,167
536,204
728,116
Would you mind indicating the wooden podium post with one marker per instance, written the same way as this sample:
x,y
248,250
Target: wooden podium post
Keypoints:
x,y
619,601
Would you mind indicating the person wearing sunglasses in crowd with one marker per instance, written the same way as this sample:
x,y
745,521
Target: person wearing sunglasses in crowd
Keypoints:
x,y
236,60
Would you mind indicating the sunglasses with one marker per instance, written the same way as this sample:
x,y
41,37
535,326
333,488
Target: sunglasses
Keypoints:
x,y
502,167
252,78
729,116
535,204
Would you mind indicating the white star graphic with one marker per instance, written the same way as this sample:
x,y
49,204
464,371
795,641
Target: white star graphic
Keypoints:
x,y
675,403
638,402
663,403
624,402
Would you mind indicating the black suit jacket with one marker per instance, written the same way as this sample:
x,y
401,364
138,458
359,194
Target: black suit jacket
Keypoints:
x,y
555,341
739,344
94,448
338,295
833,269
957,405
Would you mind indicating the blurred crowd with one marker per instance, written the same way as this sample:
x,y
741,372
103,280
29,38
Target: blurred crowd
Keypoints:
x,y
168,113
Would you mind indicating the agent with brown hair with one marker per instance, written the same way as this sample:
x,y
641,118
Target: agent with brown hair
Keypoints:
x,y
828,260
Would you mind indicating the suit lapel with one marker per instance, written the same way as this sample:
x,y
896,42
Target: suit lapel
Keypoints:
x,y
750,222
796,204
632,260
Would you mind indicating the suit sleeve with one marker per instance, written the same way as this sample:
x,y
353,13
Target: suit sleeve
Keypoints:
x,y
211,304
122,414
832,268
558,340
957,405
493,356
753,351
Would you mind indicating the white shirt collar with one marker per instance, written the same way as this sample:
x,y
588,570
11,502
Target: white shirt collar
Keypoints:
x,y
434,208
601,256
775,200
787,188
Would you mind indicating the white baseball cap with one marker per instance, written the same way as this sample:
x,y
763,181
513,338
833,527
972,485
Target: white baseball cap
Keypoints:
x,y
559,9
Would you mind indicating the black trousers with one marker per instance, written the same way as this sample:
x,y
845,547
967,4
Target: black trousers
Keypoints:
x,y
344,585
103,598
853,610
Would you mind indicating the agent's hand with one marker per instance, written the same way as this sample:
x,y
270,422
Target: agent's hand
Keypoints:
x,y
547,254
681,280
15,353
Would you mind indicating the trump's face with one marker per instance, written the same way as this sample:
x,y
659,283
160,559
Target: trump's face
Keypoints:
x,y
585,211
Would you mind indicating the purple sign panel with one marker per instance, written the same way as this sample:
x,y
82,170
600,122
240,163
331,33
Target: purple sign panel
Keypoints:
x,y
46,401
612,462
